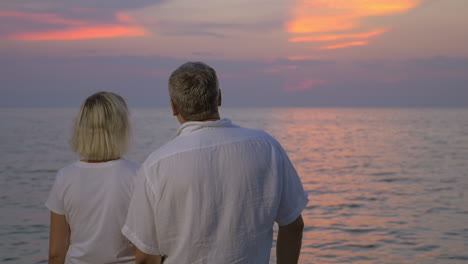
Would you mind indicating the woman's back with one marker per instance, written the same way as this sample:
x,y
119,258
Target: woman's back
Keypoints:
x,y
94,198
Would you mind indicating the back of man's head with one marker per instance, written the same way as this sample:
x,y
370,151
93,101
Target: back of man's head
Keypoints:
x,y
194,89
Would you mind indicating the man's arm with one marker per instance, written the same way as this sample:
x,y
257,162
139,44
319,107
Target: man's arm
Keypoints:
x,y
143,258
288,244
140,225
59,238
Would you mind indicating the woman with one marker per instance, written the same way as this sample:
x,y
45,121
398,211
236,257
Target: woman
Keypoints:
x,y
90,197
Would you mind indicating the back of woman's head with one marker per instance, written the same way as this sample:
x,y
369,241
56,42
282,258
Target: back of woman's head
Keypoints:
x,y
102,128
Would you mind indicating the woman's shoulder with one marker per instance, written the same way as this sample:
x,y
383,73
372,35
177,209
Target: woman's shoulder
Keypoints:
x,y
65,174
79,167
69,168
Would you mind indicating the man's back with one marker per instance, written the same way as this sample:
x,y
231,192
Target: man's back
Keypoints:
x,y
213,194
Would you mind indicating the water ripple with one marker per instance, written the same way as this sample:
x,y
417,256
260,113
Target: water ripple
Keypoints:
x,y
385,185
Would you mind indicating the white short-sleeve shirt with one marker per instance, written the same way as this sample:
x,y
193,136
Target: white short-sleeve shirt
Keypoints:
x,y
212,195
94,198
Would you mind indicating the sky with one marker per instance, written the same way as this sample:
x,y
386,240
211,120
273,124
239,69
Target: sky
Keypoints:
x,y
267,53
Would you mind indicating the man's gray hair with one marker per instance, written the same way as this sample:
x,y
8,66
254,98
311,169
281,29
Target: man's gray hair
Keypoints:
x,y
102,128
194,88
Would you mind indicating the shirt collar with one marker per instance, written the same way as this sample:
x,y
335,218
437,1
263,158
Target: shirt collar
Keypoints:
x,y
191,126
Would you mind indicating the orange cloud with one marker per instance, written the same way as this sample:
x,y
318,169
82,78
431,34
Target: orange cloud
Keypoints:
x,y
339,37
308,15
77,30
308,24
305,85
344,45
325,18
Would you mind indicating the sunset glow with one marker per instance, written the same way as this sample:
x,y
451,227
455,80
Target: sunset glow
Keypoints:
x,y
292,53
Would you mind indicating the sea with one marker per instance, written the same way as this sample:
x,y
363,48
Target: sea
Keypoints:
x,y
386,185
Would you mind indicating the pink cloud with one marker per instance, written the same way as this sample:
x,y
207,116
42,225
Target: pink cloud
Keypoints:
x,y
45,18
275,69
305,85
301,58
125,26
96,32
333,37
124,18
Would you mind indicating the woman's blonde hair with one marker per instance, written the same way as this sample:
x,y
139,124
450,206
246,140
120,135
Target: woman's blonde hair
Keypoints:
x,y
102,128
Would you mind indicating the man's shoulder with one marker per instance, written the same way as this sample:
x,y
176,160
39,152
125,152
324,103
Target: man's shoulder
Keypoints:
x,y
163,151
170,148
209,138
235,134
258,134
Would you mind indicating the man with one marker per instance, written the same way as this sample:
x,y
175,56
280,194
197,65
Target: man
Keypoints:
x,y
213,193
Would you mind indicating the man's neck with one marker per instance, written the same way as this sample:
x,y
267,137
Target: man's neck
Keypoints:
x,y
212,118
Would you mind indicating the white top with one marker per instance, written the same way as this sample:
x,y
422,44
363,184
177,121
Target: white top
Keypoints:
x,y
212,195
94,198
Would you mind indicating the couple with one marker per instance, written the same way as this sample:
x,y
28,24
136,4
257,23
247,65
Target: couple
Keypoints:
x,y
210,195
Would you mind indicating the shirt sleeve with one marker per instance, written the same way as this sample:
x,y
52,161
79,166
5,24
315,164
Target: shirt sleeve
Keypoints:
x,y
140,226
55,201
293,198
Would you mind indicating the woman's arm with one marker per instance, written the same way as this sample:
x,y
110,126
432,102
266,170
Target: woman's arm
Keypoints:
x,y
59,238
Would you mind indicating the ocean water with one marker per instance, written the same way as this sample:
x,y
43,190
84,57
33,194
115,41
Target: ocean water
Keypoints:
x,y
385,185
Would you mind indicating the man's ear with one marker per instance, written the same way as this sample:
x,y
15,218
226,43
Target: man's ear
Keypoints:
x,y
220,99
175,109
